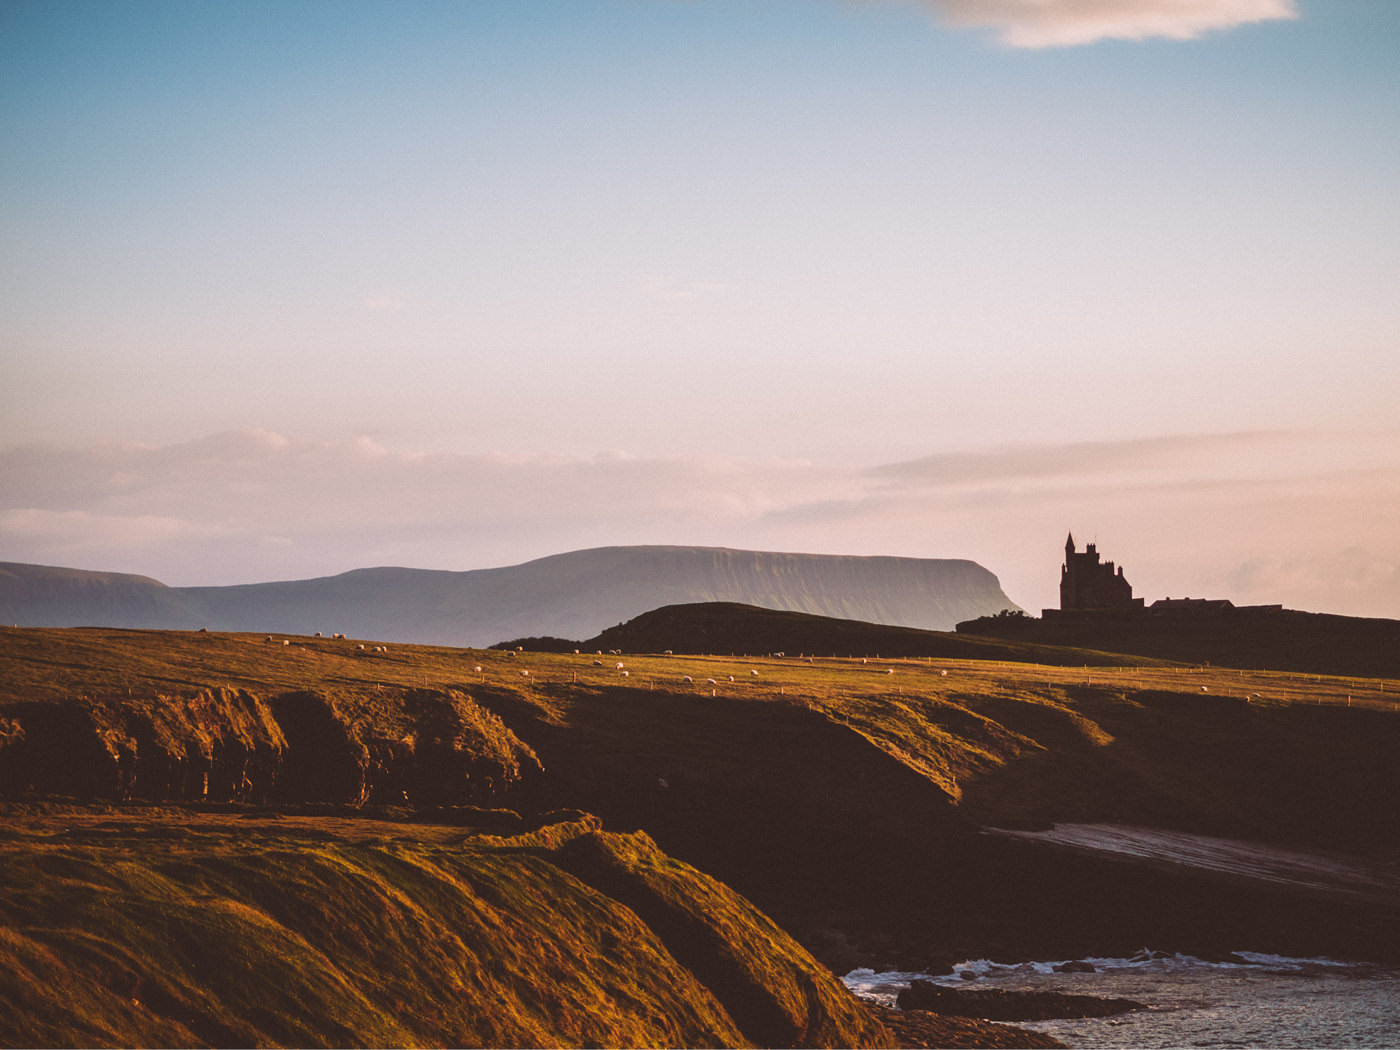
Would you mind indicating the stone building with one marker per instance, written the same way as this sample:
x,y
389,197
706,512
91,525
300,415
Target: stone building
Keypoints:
x,y
1088,584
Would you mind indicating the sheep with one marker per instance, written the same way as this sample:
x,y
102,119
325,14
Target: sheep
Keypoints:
x,y
731,678
666,652
942,674
889,670
597,663
525,674
286,641
619,667
710,681
626,674
477,669
575,652
268,638
318,634
360,647
519,648
686,678
1205,689
754,673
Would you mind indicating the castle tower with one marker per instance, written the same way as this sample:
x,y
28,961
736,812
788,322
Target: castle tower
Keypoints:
x,y
1086,583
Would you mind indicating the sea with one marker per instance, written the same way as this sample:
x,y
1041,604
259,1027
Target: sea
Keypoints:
x,y
1257,1001
1264,1001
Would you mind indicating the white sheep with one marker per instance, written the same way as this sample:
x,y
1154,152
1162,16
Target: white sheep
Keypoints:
x,y
666,652
286,641
731,678
710,681
754,673
525,674
477,669
889,670
597,663
626,674
619,666
686,678
942,674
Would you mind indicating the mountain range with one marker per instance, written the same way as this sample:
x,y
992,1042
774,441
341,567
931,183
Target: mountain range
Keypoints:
x,y
572,595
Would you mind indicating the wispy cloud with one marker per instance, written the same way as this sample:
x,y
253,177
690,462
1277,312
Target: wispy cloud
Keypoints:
x,y
1065,23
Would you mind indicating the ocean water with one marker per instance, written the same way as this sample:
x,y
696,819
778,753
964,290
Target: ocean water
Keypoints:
x,y
1266,1001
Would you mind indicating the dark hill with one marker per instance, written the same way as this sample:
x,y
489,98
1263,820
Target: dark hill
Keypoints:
x,y
569,595
726,627
1258,638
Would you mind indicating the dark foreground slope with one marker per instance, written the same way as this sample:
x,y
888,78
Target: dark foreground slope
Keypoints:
x,y
569,595
1276,639
727,627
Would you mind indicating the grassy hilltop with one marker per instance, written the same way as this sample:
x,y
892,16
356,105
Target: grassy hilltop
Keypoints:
x,y
226,839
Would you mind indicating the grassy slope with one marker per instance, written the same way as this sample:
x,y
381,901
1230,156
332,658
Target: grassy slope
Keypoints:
x,y
808,783
146,928
1213,750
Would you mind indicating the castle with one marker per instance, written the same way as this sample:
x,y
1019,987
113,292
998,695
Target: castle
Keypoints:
x,y
1089,584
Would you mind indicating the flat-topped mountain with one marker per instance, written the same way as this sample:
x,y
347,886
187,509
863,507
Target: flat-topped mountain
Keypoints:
x,y
573,595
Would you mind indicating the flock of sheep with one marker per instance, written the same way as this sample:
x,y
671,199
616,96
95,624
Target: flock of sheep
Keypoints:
x,y
619,667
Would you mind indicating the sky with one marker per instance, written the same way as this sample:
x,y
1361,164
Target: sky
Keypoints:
x,y
291,288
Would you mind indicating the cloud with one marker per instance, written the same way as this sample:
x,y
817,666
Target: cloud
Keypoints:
x,y
1065,23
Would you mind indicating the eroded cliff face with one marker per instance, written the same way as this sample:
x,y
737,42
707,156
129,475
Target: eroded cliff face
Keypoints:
x,y
422,747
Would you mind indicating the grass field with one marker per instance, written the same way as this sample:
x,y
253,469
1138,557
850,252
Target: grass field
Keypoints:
x,y
795,779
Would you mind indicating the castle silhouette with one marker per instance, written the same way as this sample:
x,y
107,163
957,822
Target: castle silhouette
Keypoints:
x,y
1091,586
1087,583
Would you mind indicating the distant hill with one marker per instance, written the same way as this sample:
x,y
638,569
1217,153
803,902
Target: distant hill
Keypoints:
x,y
572,595
1263,638
726,627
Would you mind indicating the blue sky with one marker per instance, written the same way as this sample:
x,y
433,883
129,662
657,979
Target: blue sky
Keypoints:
x,y
290,288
